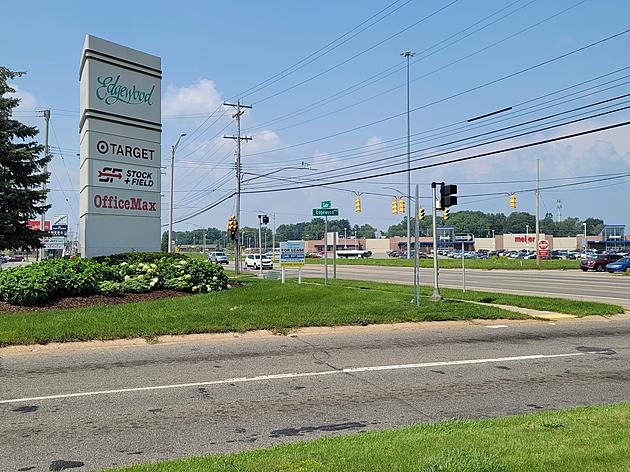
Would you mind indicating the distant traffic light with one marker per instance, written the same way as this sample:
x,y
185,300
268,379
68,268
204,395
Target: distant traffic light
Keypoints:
x,y
446,214
447,196
401,206
395,206
357,205
421,214
512,200
232,227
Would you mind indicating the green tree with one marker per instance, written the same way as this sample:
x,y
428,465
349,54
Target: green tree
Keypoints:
x,y
548,226
366,231
594,226
21,174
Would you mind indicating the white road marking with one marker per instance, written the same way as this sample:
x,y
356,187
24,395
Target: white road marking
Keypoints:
x,y
261,378
496,326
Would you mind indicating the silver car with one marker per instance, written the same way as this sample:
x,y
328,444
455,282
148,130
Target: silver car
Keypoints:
x,y
218,257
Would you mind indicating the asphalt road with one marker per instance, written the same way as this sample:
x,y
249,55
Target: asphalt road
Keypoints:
x,y
86,409
596,286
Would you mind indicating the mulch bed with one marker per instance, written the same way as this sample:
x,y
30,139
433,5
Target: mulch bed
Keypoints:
x,y
92,300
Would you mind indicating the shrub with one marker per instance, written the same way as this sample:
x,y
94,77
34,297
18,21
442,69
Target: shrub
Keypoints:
x,y
38,283
193,275
109,288
137,257
52,278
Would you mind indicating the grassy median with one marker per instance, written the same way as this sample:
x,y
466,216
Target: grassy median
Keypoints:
x,y
594,439
556,305
260,304
265,304
487,264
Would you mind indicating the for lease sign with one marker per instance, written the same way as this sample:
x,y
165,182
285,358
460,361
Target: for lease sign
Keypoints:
x,y
292,254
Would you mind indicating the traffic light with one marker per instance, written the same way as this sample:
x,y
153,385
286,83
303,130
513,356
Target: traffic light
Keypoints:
x,y
357,205
512,200
232,227
395,206
265,219
401,206
446,214
421,214
447,196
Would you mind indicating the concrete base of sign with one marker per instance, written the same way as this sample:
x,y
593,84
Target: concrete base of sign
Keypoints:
x,y
96,234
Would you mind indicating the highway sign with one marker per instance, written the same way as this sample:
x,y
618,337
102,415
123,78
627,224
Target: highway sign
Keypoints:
x,y
292,254
325,211
464,238
326,204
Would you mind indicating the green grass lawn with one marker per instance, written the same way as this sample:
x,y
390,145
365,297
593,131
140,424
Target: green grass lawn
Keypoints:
x,y
594,439
261,304
488,264
265,304
556,305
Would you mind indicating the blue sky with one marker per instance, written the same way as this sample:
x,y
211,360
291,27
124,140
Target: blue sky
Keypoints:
x,y
213,51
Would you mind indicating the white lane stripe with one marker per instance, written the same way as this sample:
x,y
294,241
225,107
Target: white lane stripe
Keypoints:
x,y
261,378
496,326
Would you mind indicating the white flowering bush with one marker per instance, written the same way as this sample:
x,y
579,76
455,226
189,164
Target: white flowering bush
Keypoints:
x,y
193,275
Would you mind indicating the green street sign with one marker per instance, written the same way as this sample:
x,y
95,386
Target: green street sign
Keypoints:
x,y
326,204
325,211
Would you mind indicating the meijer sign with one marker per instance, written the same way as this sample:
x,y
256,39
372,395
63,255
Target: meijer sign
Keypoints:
x,y
120,130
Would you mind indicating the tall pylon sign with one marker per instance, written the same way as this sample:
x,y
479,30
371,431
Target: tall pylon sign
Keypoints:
x,y
120,131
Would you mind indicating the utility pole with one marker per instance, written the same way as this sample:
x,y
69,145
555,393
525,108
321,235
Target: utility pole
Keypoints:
x,y
238,138
42,251
537,211
436,289
170,207
408,55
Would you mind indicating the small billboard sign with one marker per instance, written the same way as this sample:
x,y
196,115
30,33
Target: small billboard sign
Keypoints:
x,y
292,254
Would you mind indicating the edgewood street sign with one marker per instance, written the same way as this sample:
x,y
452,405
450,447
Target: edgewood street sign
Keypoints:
x,y
120,130
325,211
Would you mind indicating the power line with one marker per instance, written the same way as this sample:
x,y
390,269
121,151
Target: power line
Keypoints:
x,y
455,95
451,151
452,161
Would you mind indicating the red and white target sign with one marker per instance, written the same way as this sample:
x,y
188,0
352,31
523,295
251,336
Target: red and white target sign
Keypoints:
x,y
543,248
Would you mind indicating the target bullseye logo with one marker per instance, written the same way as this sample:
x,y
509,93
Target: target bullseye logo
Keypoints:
x,y
102,147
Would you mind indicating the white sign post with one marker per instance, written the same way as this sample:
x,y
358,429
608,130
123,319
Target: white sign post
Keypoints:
x,y
292,255
120,129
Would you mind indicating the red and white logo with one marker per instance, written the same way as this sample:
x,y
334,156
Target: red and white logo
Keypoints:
x,y
120,203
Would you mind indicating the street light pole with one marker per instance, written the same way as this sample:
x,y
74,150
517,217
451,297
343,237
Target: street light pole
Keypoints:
x,y
408,55
170,207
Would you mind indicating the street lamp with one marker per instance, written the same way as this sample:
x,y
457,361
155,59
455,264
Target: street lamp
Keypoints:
x,y
170,212
408,55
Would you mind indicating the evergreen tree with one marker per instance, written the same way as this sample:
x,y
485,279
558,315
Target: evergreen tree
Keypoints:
x,y
21,174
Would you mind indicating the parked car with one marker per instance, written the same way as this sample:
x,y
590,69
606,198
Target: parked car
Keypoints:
x,y
620,265
218,257
598,262
15,259
253,261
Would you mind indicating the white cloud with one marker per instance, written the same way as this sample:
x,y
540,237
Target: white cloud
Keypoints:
x,y
28,102
200,97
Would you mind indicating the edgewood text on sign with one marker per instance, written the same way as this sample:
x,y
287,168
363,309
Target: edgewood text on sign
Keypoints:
x,y
120,130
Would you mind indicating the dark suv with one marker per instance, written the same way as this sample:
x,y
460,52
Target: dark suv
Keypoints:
x,y
598,262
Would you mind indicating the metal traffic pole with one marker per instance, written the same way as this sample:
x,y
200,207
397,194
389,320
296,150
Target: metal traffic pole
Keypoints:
x,y
436,289
463,269
416,261
326,250
335,255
